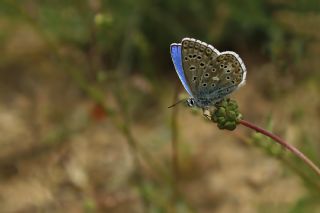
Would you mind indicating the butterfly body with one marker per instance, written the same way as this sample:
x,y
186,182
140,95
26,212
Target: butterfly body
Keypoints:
x,y
206,74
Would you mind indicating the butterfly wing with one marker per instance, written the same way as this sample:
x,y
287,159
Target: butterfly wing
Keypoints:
x,y
196,56
175,50
224,74
211,75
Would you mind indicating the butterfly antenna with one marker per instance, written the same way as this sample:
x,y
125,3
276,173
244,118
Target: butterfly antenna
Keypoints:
x,y
176,103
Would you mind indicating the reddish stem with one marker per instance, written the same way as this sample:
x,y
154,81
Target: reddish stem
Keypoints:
x,y
277,139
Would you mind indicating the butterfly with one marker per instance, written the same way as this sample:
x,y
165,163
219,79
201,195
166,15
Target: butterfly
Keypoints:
x,y
206,74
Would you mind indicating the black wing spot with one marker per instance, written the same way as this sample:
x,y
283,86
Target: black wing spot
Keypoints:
x,y
225,66
228,71
228,78
233,82
192,68
213,69
213,85
208,51
185,44
194,78
199,57
204,84
201,64
207,74
221,65
194,55
186,58
190,56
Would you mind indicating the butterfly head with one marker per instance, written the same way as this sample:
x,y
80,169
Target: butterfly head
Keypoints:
x,y
191,102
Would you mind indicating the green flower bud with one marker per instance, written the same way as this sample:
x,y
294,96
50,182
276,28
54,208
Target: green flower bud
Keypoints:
x,y
221,120
226,114
221,112
231,115
230,125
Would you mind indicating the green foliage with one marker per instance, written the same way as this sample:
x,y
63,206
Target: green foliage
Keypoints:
x,y
100,45
65,23
306,204
147,27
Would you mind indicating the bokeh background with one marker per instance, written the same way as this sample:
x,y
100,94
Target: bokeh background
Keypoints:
x,y
84,123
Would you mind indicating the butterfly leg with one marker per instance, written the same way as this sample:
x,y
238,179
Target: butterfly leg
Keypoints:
x,y
206,113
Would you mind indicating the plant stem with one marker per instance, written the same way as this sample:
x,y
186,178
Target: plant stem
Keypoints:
x,y
283,143
175,146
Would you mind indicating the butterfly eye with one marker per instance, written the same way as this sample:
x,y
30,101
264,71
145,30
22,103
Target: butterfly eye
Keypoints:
x,y
190,102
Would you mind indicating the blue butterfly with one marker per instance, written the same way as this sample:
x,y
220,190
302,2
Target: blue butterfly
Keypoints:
x,y
206,74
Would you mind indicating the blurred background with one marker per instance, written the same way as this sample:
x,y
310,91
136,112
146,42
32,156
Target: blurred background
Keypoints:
x,y
84,123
